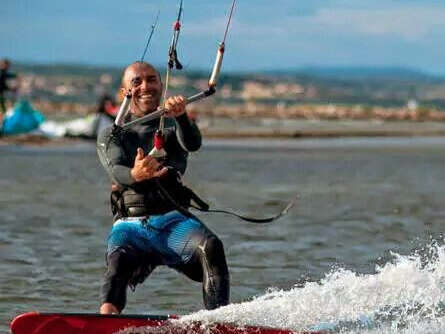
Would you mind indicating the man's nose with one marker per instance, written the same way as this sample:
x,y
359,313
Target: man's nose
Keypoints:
x,y
145,84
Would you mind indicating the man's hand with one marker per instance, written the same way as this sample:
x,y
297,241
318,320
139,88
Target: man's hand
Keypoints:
x,y
146,167
175,106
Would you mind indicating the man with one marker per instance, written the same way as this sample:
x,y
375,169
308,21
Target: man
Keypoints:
x,y
4,76
151,228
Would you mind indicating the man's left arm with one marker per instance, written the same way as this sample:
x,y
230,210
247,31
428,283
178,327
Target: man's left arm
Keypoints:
x,y
187,132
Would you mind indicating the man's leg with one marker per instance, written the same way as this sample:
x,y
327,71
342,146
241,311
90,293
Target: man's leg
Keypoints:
x,y
216,281
130,261
121,264
195,251
209,266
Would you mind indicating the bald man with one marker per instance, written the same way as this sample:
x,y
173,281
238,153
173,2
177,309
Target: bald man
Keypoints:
x,y
149,229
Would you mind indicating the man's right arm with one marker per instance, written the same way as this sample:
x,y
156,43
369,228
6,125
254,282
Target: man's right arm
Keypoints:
x,y
113,158
122,169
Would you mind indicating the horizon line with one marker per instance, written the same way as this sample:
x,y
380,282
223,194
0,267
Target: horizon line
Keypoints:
x,y
303,68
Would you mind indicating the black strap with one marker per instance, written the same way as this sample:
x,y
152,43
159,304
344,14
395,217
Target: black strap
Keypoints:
x,y
178,206
204,207
252,219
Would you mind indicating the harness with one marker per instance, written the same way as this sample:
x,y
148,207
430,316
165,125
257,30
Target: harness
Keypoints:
x,y
160,200
148,198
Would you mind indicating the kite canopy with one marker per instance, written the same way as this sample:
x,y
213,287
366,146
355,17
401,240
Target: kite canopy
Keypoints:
x,y
23,119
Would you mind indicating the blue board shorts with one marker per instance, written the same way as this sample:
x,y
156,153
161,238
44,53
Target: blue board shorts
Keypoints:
x,y
173,236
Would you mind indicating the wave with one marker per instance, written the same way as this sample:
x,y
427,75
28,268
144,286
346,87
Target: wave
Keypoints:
x,y
405,295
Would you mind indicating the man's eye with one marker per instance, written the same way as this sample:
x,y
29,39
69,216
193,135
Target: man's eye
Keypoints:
x,y
136,82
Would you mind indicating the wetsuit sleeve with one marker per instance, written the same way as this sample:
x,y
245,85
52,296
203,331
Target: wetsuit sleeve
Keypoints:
x,y
113,158
188,133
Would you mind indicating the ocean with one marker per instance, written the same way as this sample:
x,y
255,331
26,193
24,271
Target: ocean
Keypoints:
x,y
362,251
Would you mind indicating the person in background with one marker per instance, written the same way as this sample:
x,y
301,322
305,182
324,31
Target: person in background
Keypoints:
x,y
107,106
150,228
4,76
105,114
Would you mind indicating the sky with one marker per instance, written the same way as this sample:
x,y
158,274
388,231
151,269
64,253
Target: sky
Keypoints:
x,y
264,35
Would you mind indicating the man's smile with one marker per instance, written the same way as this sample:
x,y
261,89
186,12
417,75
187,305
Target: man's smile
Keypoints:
x,y
145,97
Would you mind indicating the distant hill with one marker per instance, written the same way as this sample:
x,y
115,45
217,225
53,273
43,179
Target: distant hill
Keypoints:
x,y
66,69
320,72
362,73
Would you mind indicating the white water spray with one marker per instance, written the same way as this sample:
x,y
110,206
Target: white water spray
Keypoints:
x,y
404,296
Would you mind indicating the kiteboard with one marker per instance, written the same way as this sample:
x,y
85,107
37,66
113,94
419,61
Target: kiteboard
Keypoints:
x,y
93,323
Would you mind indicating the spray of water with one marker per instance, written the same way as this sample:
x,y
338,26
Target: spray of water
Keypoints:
x,y
406,295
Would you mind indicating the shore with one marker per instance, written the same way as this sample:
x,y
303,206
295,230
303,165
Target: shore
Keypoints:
x,y
296,128
228,128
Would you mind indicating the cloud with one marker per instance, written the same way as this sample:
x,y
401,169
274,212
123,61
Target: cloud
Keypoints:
x,y
412,23
377,33
262,34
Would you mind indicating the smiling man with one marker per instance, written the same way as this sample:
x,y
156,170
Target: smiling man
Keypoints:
x,y
149,230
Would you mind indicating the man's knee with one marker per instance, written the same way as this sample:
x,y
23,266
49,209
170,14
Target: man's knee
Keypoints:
x,y
207,258
116,260
212,247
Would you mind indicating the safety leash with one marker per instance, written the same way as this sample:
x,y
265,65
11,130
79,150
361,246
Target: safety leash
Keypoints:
x,y
204,207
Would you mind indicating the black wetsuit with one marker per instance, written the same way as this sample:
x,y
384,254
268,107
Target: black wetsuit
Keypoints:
x,y
130,265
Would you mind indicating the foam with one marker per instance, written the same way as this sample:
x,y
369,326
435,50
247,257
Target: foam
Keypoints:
x,y
404,296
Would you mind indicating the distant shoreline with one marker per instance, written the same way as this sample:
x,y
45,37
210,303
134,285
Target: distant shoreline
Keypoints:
x,y
296,128
278,129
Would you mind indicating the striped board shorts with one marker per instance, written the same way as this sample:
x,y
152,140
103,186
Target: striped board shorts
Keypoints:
x,y
173,236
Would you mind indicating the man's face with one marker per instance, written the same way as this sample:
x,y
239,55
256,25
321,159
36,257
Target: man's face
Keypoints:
x,y
146,87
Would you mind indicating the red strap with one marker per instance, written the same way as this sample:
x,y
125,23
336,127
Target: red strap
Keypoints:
x,y
159,141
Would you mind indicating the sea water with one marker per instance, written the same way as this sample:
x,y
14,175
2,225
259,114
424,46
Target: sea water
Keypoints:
x,y
361,252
